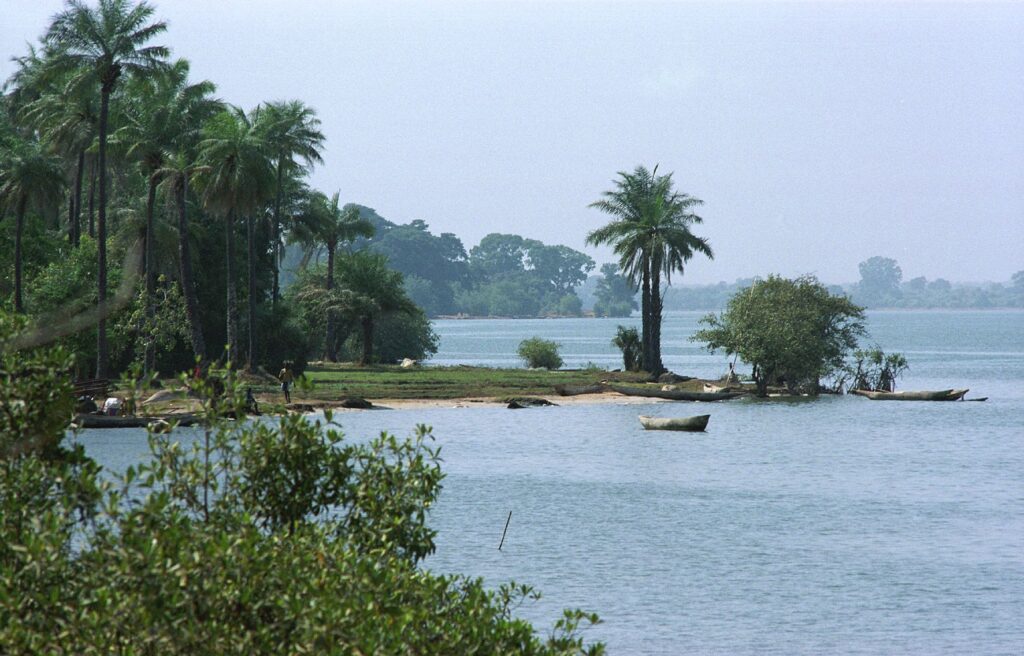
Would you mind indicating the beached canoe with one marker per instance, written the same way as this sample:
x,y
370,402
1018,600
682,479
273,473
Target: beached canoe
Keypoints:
x,y
675,395
105,421
938,395
576,390
693,424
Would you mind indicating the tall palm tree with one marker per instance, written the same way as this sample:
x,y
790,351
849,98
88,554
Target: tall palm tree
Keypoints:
x,y
325,222
292,131
67,114
178,168
238,178
28,174
106,42
651,235
164,113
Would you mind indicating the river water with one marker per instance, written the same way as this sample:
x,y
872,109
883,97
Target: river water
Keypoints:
x,y
836,525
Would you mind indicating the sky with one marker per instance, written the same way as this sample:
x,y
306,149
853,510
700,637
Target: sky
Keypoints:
x,y
817,134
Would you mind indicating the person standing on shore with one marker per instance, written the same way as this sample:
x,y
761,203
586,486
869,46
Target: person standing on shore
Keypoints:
x,y
286,377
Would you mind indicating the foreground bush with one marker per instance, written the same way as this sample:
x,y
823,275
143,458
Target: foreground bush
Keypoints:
x,y
540,353
242,538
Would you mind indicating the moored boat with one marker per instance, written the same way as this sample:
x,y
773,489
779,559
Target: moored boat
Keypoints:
x,y
106,421
675,395
927,395
693,424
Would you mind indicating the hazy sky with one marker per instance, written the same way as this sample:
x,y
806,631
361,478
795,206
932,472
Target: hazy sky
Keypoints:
x,y
818,135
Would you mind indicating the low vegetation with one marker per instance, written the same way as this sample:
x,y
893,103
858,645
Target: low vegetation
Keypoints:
x,y
246,538
540,353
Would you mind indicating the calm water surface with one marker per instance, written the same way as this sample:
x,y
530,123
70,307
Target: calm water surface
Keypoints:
x,y
838,525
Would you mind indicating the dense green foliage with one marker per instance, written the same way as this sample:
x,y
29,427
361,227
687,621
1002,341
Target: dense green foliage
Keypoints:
x,y
793,332
247,538
539,353
614,296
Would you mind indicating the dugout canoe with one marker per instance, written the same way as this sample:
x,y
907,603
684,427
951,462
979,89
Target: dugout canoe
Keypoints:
x,y
105,421
675,395
692,424
576,390
926,395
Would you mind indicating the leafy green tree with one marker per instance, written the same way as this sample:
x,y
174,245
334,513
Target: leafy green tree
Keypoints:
x,y
616,297
102,44
791,331
27,175
237,178
292,131
880,279
560,266
650,232
540,353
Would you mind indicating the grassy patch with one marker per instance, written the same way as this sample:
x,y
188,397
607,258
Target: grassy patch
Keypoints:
x,y
330,382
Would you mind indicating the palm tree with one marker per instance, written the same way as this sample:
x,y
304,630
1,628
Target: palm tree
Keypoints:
x,y
238,179
164,113
66,114
28,174
651,235
292,131
325,222
175,173
104,43
370,290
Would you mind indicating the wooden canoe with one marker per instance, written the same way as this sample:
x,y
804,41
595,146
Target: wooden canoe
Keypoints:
x,y
938,395
576,390
675,395
692,424
105,421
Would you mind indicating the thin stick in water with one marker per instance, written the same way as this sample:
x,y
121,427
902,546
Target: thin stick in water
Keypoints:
x,y
506,530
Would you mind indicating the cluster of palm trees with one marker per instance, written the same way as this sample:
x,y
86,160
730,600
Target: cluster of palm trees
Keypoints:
x,y
651,235
98,105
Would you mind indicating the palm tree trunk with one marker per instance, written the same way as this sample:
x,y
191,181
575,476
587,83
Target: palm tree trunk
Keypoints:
x,y
275,233
187,285
657,367
149,360
102,354
645,319
77,218
232,299
92,198
19,229
332,351
251,250
367,358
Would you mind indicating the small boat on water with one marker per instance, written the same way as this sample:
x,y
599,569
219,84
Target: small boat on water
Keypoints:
x,y
675,395
106,421
939,395
692,424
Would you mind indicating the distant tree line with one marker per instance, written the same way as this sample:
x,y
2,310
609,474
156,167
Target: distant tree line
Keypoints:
x,y
881,286
504,275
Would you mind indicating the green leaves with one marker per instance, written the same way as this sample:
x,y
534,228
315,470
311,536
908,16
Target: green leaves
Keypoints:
x,y
793,332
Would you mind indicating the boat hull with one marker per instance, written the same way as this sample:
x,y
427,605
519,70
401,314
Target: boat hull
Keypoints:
x,y
675,395
689,424
939,395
